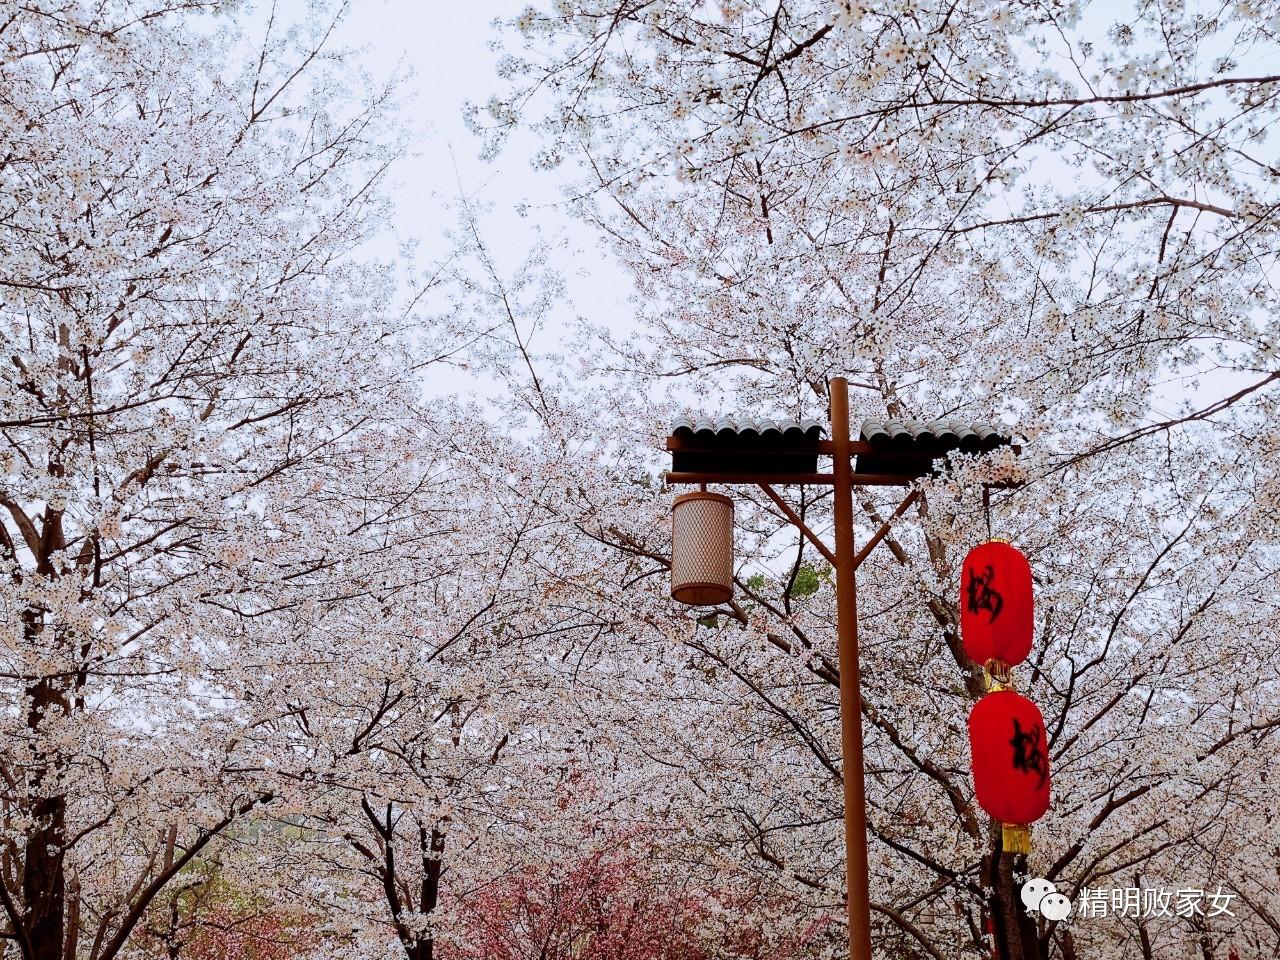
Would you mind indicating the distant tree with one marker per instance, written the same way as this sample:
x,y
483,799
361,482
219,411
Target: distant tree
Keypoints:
x,y
201,917
616,903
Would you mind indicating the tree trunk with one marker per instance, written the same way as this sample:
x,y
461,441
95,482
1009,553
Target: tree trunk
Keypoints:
x,y
1012,927
44,897
72,937
431,847
43,878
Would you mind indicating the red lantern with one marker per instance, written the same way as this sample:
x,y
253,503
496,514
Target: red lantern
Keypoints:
x,y
995,604
1010,763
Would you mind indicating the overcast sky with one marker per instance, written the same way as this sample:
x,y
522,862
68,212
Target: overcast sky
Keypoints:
x,y
447,46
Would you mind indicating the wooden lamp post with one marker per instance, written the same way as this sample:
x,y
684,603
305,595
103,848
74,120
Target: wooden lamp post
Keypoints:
x,y
766,453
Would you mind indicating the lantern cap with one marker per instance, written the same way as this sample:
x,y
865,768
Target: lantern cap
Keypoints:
x,y
998,676
702,495
702,594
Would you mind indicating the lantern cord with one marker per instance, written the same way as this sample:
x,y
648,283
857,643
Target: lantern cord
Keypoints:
x,y
986,506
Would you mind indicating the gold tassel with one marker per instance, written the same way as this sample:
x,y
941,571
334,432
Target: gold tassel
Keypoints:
x,y
1015,838
997,675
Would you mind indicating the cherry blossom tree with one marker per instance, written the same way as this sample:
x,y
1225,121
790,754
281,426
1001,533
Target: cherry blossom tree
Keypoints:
x,y
441,754
273,618
209,427
1059,216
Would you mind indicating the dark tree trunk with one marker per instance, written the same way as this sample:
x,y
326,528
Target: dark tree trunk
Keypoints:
x,y
1013,930
43,878
431,846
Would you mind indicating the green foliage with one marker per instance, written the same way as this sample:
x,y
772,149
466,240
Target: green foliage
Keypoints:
x,y
807,581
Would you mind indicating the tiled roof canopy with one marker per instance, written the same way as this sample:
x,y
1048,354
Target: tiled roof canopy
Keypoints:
x,y
904,448
910,446
944,435
785,446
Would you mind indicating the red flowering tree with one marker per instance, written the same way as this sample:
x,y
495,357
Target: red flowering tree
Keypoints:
x,y
619,904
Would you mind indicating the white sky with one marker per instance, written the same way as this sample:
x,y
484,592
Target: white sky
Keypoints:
x,y
447,46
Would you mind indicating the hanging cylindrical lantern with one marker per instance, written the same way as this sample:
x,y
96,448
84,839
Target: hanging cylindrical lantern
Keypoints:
x,y
702,549
1010,764
996,618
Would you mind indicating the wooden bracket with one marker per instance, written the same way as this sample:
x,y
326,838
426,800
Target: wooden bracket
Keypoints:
x,y
884,529
794,517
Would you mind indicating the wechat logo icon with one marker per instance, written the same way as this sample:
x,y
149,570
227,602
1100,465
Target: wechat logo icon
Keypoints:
x,y
1042,897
